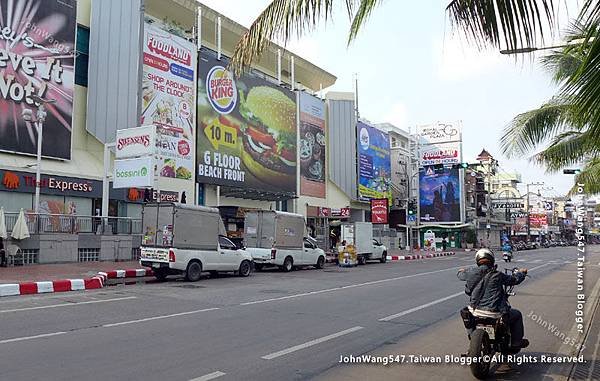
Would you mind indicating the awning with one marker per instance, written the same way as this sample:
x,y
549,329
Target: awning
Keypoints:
x,y
256,194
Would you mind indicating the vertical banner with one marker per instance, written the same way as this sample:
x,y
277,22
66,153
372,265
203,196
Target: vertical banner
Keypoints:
x,y
374,165
440,195
168,99
312,146
379,210
37,57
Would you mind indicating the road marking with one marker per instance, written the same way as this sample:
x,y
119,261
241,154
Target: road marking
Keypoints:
x,y
310,343
158,317
400,314
68,304
31,337
210,376
346,287
536,261
539,267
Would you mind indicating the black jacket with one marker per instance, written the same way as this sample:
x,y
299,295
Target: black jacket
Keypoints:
x,y
492,298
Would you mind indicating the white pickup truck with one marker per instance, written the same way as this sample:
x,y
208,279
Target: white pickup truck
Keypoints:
x,y
188,240
277,239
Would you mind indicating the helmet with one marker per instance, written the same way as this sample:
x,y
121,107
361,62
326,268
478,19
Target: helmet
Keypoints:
x,y
484,254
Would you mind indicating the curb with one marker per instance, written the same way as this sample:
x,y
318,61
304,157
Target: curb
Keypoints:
x,y
64,285
418,256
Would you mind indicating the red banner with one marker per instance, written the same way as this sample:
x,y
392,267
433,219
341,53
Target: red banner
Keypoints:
x,y
379,210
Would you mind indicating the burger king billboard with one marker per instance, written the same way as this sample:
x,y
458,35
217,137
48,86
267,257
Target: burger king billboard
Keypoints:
x,y
246,130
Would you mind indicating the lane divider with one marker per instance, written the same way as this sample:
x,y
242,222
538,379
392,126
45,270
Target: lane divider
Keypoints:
x,y
64,285
419,256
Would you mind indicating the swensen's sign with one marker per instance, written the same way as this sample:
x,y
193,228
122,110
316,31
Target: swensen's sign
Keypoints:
x,y
57,185
139,141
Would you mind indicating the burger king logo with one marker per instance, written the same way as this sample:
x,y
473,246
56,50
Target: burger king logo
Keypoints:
x,y
221,90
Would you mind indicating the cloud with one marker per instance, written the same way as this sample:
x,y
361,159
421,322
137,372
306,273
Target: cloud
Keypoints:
x,y
456,60
397,115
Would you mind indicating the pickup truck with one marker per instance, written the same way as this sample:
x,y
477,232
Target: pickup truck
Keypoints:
x,y
189,240
379,251
277,239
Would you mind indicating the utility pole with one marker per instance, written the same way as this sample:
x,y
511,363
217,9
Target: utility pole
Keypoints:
x,y
529,208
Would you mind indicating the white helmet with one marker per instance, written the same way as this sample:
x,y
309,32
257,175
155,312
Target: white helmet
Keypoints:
x,y
484,254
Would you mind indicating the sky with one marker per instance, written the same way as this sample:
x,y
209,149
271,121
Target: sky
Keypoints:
x,y
413,70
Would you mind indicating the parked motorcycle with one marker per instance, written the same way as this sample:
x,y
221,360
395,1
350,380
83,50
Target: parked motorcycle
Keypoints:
x,y
491,336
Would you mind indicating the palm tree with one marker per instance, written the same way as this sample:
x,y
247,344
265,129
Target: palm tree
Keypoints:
x,y
560,121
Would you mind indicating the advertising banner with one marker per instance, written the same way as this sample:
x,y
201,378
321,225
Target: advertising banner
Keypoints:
x,y
538,220
442,153
37,58
132,142
374,165
440,144
168,98
379,211
246,130
440,195
312,146
132,173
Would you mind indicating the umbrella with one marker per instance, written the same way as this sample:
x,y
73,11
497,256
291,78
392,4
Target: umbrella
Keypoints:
x,y
20,230
3,233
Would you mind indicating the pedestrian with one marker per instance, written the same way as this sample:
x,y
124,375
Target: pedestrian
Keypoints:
x,y
444,244
333,238
2,253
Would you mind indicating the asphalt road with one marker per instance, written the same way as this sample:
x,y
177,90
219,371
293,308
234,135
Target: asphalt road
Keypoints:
x,y
278,326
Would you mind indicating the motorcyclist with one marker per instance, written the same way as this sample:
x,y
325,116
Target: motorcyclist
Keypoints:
x,y
484,285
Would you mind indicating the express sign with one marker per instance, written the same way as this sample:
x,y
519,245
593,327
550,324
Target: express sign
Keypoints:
x,y
57,185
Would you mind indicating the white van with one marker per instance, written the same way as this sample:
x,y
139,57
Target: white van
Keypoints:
x,y
188,240
277,239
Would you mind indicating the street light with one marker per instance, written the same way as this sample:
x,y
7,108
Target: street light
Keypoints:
x,y
38,121
531,49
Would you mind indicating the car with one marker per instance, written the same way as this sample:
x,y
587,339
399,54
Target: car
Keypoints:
x,y
379,251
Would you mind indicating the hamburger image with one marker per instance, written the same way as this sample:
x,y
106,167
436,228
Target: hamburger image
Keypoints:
x,y
269,135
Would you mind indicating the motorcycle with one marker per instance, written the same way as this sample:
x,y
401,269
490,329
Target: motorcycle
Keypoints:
x,y
491,335
507,256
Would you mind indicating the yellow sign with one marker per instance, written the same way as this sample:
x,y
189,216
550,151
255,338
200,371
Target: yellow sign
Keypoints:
x,y
220,134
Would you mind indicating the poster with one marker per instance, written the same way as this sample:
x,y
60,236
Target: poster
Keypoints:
x,y
246,130
312,146
379,211
37,58
374,165
439,195
168,97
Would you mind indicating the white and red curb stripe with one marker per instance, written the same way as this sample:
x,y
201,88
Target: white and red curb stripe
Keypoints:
x,y
64,285
418,256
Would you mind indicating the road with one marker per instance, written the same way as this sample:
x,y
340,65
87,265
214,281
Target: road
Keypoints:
x,y
278,326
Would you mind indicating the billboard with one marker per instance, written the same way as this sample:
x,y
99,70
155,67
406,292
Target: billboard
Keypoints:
x,y
312,146
246,130
37,57
374,165
440,144
439,192
138,141
134,173
168,98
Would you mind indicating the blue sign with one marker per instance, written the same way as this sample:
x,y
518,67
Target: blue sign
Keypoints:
x,y
439,195
374,166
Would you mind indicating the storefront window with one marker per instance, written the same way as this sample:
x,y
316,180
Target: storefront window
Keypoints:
x,y
52,204
134,210
13,202
78,205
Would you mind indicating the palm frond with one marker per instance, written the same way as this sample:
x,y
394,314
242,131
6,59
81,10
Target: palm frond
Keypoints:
x,y
589,177
568,148
532,128
362,14
514,23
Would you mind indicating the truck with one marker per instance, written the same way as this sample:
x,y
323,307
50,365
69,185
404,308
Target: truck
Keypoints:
x,y
276,238
360,234
189,240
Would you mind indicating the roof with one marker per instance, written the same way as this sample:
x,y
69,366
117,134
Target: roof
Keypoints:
x,y
484,155
183,12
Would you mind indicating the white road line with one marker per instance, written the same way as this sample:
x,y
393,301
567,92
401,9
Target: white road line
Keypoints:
x,y
310,343
31,337
346,287
158,317
539,267
68,304
400,314
210,376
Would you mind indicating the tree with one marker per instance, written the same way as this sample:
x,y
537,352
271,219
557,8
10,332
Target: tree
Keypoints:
x,y
560,121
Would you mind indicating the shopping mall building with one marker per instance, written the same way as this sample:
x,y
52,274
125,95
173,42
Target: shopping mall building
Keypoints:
x,y
269,139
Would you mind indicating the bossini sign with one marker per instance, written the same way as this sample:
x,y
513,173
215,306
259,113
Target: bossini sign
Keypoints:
x,y
133,173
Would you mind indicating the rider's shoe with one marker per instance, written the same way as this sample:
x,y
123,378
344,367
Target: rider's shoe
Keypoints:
x,y
524,344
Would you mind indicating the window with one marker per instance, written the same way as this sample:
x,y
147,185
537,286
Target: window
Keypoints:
x,y
89,255
82,55
225,243
13,201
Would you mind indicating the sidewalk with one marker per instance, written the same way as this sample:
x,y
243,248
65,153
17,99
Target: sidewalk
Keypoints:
x,y
39,273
